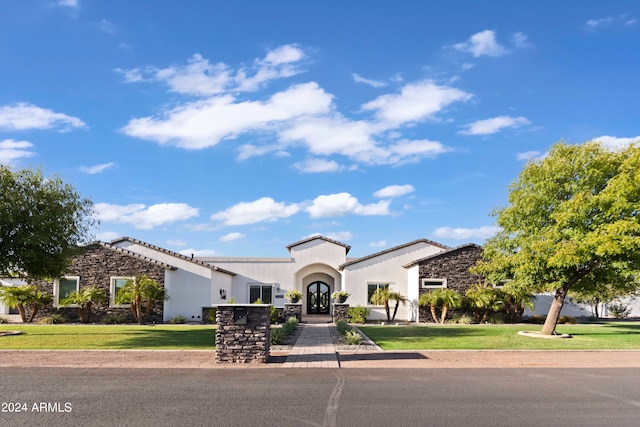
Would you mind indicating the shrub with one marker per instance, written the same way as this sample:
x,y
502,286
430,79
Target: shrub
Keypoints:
x,y
54,319
619,311
115,319
352,337
275,315
463,319
277,337
3,320
342,327
567,319
537,319
176,320
212,315
495,319
358,314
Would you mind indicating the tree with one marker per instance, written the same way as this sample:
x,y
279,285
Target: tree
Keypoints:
x,y
515,301
572,224
141,292
602,295
27,299
85,300
43,221
442,299
382,296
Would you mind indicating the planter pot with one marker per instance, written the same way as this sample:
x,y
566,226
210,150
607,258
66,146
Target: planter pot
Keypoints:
x,y
294,300
342,300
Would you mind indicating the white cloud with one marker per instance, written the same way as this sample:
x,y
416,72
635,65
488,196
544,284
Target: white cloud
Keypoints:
x,y
394,191
378,244
205,123
521,40
482,44
263,209
341,204
11,150
529,155
615,143
143,217
340,236
23,116
415,102
200,77
484,232
601,22
91,170
107,236
198,252
69,3
176,242
373,83
108,27
493,125
230,237
317,166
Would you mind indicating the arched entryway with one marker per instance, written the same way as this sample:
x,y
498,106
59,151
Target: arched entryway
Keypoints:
x,y
318,298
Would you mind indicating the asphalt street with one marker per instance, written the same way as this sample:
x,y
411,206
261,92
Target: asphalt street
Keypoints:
x,y
319,397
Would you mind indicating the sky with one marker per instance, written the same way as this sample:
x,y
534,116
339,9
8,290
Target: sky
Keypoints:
x,y
235,128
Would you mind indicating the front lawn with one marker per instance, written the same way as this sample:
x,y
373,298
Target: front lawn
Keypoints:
x,y
109,337
607,336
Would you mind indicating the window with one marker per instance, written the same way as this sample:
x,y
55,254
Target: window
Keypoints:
x,y
263,292
434,283
117,283
64,286
373,287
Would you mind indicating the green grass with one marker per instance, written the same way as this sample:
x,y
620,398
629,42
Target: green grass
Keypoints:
x,y
608,336
109,337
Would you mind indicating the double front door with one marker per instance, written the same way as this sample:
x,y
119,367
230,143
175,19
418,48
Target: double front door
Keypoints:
x,y
318,298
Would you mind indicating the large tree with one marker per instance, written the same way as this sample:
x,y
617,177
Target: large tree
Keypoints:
x,y
43,221
572,223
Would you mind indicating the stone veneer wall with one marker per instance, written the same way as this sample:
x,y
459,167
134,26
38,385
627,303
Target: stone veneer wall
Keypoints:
x,y
248,343
292,309
453,266
340,312
95,267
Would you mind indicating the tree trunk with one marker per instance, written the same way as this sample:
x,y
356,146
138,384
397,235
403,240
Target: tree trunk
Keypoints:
x,y
139,310
443,316
388,310
395,310
81,313
432,308
34,311
549,326
23,314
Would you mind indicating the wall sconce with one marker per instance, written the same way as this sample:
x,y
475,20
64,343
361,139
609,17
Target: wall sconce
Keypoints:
x,y
223,294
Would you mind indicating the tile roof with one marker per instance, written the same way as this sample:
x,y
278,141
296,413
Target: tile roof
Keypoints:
x,y
172,253
326,239
132,254
395,248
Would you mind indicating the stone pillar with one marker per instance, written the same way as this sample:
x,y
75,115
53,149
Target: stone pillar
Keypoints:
x,y
340,312
243,332
293,310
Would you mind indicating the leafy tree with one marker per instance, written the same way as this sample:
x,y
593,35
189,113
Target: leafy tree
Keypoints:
x,y
27,299
483,299
43,221
382,296
441,299
602,295
572,224
141,292
86,298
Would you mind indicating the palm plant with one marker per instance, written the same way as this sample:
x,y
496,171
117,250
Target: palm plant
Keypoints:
x,y
516,300
382,296
85,299
483,299
27,299
443,299
138,292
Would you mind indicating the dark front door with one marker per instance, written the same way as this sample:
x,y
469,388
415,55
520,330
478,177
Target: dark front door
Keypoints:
x,y
318,298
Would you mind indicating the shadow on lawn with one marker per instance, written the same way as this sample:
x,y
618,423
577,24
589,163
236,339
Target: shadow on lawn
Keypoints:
x,y
387,355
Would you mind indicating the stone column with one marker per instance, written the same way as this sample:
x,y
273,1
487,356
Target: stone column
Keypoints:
x,y
243,332
340,312
293,310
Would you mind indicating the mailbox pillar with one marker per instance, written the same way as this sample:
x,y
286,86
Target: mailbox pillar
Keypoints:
x,y
242,333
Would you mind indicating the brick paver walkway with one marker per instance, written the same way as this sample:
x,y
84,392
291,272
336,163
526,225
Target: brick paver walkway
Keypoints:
x,y
313,348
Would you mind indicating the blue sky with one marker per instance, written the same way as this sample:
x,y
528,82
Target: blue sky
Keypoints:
x,y
234,128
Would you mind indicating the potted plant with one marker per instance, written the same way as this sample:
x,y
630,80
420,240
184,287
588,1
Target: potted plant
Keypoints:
x,y
340,296
293,295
